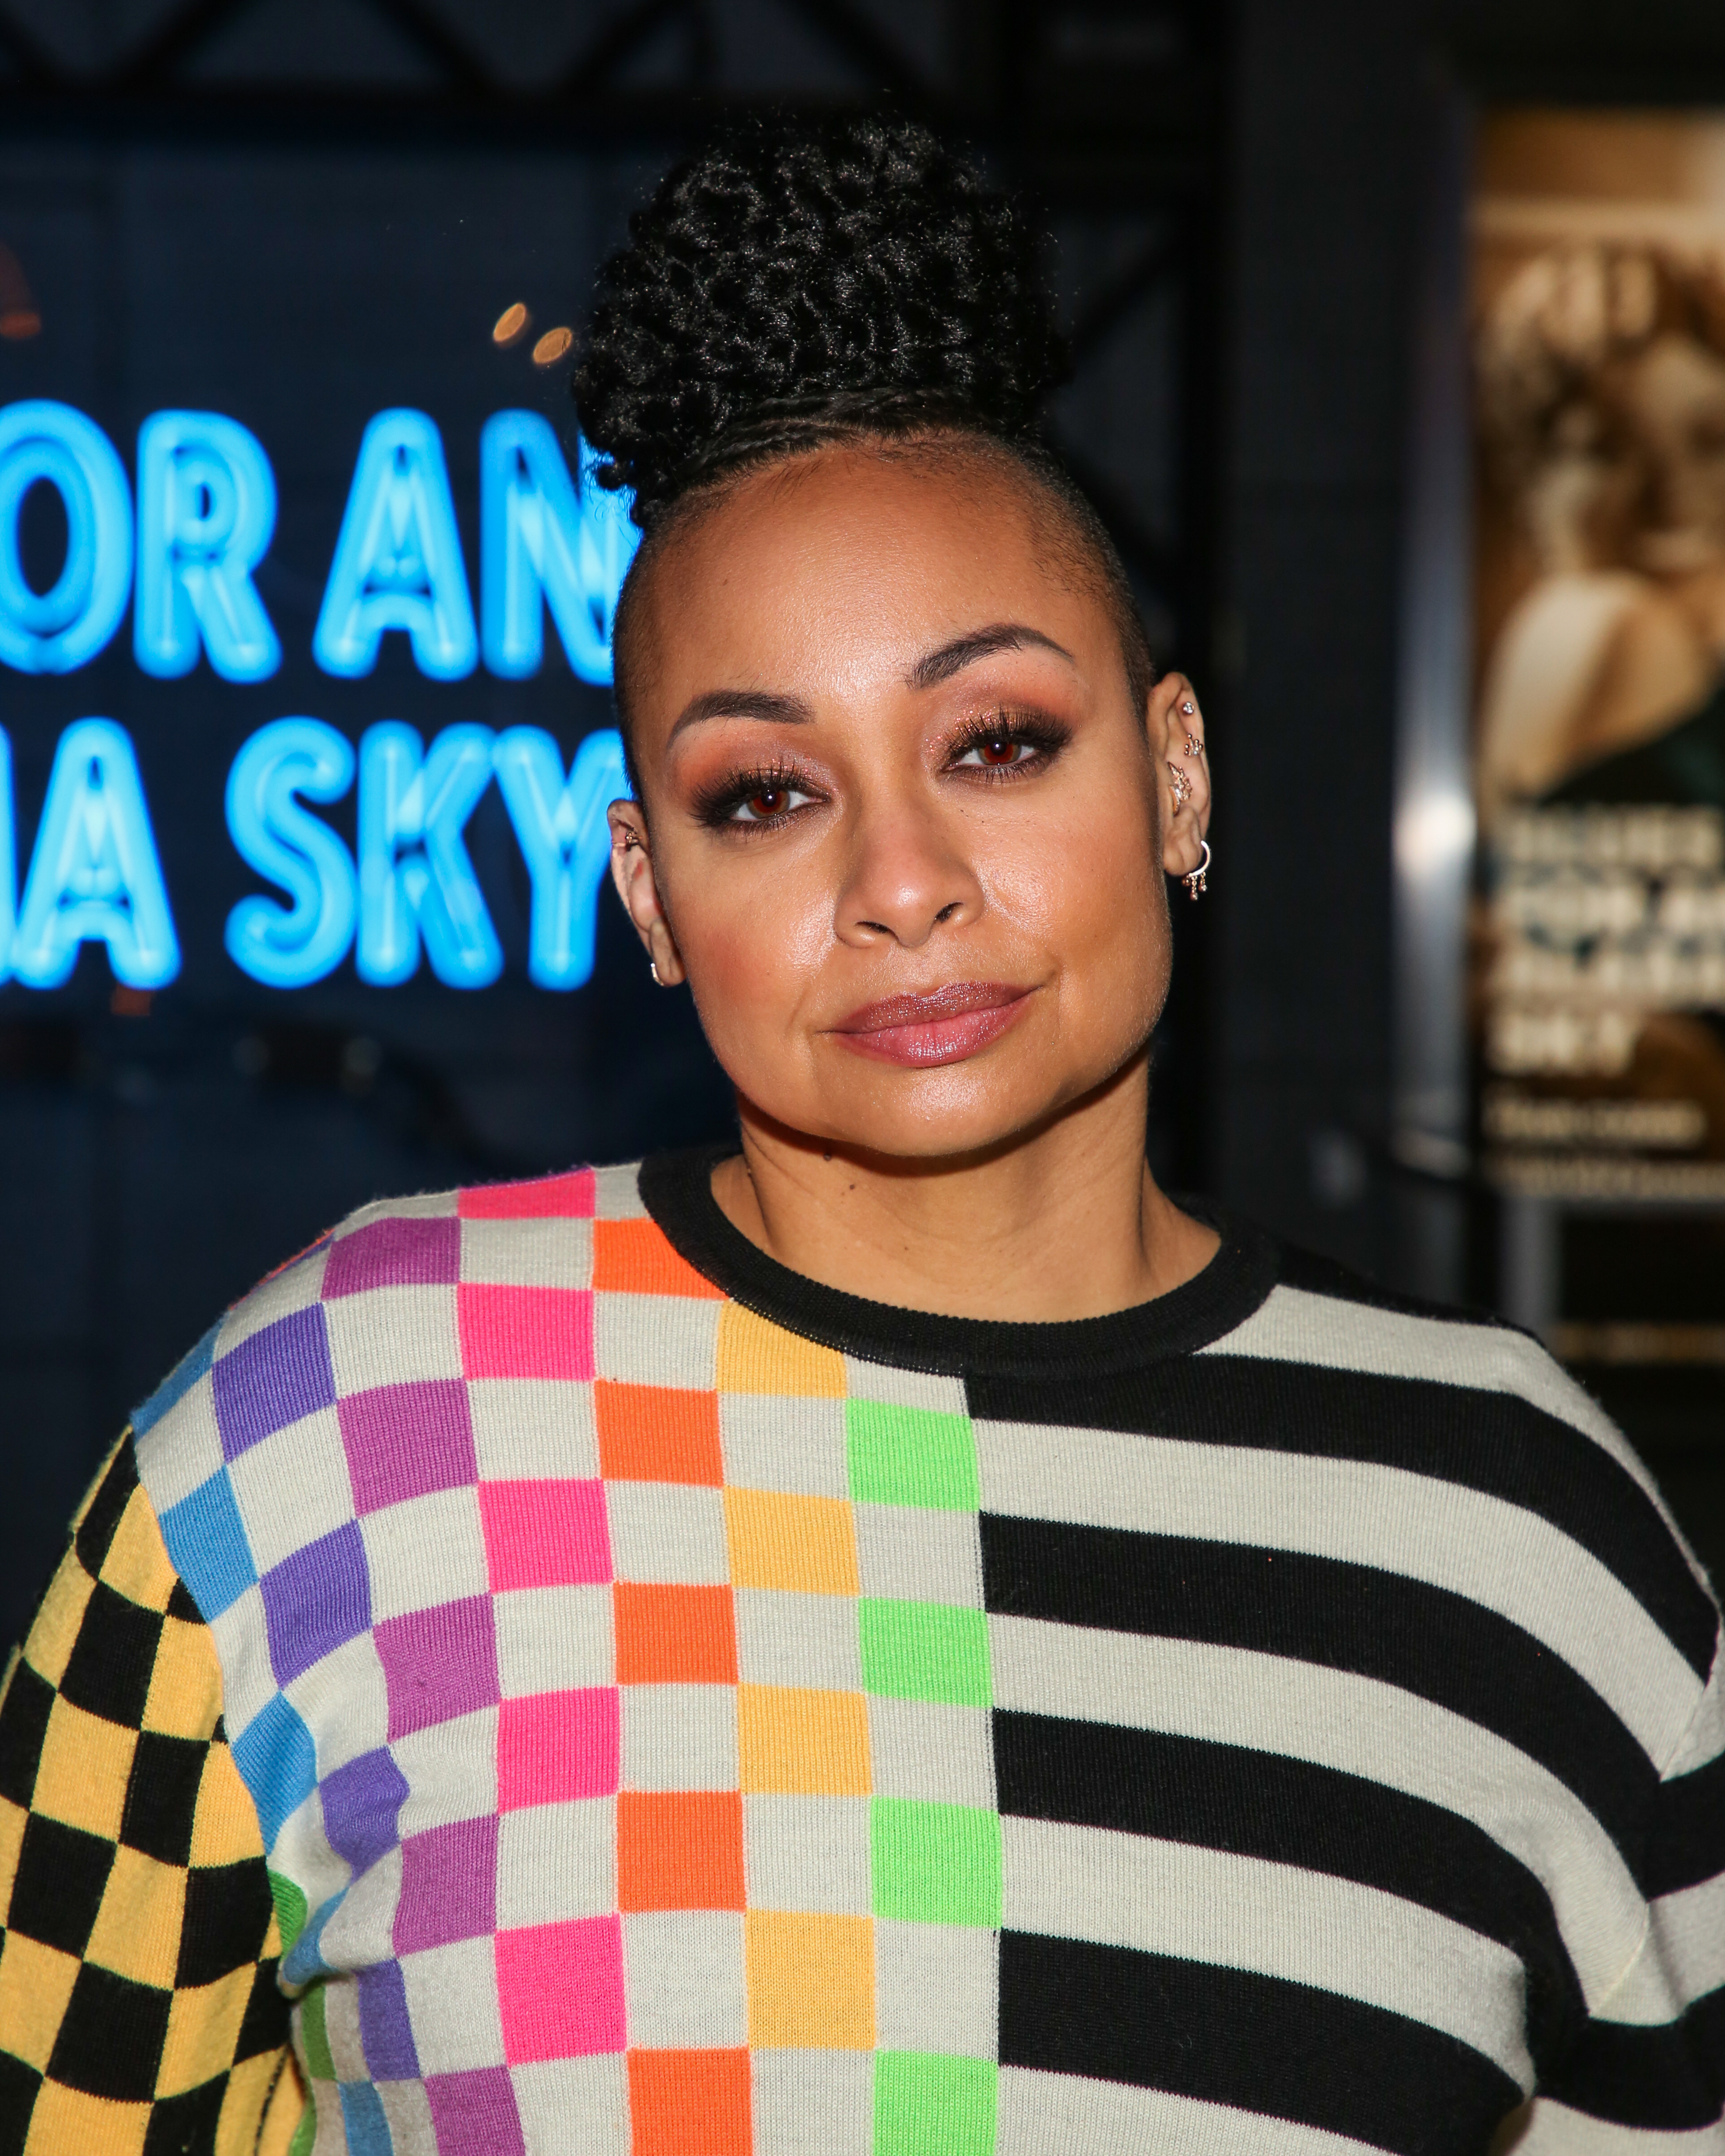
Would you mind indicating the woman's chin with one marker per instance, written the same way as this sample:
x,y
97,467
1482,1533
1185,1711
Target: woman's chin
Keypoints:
x,y
923,1125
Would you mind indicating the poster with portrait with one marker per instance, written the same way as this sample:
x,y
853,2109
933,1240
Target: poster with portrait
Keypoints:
x,y
1597,327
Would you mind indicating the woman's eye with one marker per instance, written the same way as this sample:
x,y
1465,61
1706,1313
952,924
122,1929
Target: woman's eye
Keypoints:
x,y
998,751
767,804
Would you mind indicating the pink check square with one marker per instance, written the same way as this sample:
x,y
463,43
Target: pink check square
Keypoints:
x,y
525,1331
551,1198
558,1745
545,1534
560,1987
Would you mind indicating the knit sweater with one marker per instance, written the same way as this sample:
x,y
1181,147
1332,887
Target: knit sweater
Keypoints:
x,y
543,1678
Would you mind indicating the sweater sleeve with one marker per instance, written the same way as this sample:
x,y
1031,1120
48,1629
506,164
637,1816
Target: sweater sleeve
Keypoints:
x,y
139,2008
1648,2071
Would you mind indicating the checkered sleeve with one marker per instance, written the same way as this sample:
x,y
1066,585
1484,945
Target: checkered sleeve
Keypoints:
x,y
139,2008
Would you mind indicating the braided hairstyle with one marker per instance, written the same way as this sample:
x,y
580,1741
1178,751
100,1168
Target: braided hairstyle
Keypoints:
x,y
798,283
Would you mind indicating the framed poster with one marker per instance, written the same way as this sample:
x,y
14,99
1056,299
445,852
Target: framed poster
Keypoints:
x,y
1597,945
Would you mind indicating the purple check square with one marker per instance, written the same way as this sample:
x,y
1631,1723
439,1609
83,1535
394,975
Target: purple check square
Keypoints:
x,y
405,1440
385,2032
475,2114
438,1663
394,1254
316,1601
448,1885
273,1378
361,1802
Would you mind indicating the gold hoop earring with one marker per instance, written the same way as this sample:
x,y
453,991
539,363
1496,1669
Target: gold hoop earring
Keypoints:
x,y
1194,878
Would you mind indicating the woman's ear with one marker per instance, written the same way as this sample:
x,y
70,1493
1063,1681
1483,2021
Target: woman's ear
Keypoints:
x,y
632,872
1175,727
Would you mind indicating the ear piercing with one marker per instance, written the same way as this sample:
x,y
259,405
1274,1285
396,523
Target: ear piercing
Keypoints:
x,y
653,969
1182,785
1194,747
1194,878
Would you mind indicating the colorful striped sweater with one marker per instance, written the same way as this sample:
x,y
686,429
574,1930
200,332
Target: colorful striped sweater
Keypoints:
x,y
544,1678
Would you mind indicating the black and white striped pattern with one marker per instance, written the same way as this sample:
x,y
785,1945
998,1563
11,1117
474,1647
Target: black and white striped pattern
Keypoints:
x,y
1359,1738
1355,1737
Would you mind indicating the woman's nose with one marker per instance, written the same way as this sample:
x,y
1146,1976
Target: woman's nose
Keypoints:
x,y
907,876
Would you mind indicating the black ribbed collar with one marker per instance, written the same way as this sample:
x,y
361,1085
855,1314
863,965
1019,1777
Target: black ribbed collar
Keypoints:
x,y
677,1190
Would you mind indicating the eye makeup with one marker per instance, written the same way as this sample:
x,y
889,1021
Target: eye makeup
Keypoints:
x,y
1003,744
760,799
995,738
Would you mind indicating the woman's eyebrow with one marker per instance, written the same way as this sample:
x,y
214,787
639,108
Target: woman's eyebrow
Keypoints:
x,y
741,703
934,667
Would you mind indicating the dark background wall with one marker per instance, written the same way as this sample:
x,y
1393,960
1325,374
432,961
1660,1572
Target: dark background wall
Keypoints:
x,y
1242,201
1348,135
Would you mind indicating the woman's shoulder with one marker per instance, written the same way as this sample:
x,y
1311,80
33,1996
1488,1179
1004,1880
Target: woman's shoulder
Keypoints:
x,y
1323,1314
389,1311
1480,1410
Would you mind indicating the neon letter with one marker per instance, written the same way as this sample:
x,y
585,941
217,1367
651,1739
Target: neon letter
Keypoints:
x,y
206,511
414,875
8,860
94,877
564,840
51,632
288,947
399,560
541,544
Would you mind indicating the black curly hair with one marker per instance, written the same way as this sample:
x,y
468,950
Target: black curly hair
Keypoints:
x,y
802,282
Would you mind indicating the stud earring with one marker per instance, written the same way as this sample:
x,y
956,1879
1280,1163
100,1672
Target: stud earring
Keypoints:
x,y
1188,710
1194,747
1194,878
1182,785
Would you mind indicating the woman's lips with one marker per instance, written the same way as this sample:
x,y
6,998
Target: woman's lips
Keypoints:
x,y
944,1026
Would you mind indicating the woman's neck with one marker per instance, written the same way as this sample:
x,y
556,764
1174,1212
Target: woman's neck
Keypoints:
x,y
1067,1222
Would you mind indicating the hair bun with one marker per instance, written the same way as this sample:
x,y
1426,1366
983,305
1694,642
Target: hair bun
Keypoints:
x,y
798,269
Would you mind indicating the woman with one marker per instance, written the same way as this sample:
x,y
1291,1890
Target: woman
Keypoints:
x,y
899,1638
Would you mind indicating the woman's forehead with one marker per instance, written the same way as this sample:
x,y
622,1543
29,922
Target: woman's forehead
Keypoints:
x,y
857,555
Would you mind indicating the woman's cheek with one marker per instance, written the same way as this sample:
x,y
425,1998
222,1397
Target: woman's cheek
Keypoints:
x,y
752,947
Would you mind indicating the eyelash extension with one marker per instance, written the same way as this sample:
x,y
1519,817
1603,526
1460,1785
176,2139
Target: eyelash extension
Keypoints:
x,y
716,804
1034,730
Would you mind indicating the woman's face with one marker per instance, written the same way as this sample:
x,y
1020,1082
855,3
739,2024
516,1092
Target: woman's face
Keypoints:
x,y
904,829
1674,396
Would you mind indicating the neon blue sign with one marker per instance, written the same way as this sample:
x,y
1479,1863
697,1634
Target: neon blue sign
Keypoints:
x,y
8,860
205,515
94,877
291,946
565,840
205,512
415,878
398,560
542,544
45,444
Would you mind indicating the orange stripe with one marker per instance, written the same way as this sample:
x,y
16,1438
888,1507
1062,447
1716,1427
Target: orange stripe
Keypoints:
x,y
632,1257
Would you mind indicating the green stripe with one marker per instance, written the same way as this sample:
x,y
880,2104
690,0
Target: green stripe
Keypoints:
x,y
925,1651
934,1864
320,2063
910,1456
289,1910
926,2104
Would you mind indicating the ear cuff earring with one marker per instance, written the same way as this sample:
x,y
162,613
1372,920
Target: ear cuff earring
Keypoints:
x,y
653,970
1182,785
1194,878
